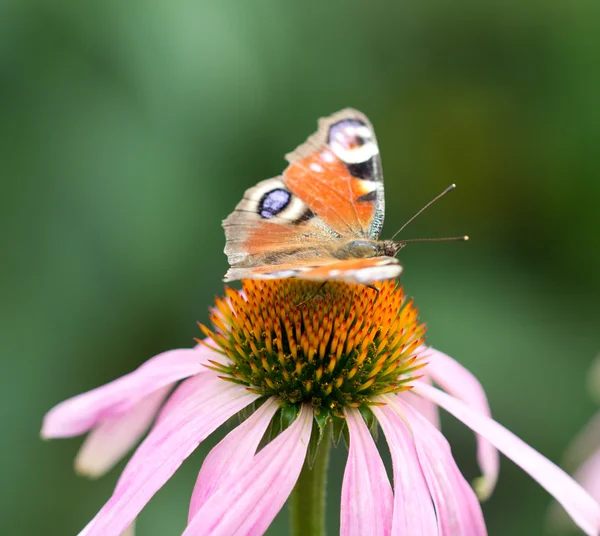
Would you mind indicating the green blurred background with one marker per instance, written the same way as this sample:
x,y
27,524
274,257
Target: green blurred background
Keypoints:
x,y
129,130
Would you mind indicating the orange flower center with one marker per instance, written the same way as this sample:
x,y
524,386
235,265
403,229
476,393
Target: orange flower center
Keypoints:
x,y
333,344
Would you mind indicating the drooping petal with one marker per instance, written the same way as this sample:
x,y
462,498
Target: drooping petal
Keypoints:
x,y
455,379
115,436
457,508
234,452
574,499
584,445
208,404
187,390
249,501
413,508
588,475
367,497
425,407
81,413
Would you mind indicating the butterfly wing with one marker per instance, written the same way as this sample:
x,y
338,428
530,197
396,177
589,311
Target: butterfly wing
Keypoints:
x,y
332,192
337,173
363,271
271,229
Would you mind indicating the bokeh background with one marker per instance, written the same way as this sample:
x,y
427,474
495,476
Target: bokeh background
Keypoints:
x,y
129,130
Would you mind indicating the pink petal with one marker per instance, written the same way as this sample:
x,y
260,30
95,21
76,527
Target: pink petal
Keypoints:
x,y
584,445
577,502
168,444
455,379
115,436
458,510
249,501
588,475
81,413
196,389
233,453
413,509
366,491
425,407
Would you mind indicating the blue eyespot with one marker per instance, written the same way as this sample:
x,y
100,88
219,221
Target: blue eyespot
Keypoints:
x,y
273,202
348,129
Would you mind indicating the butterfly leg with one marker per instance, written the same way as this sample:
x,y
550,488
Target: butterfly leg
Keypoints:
x,y
374,288
313,294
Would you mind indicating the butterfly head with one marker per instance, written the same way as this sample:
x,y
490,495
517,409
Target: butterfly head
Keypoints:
x,y
390,248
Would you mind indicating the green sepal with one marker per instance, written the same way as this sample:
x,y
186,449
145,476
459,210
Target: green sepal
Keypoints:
x,y
317,436
367,415
338,427
320,422
313,445
288,416
274,428
322,418
375,432
247,412
346,436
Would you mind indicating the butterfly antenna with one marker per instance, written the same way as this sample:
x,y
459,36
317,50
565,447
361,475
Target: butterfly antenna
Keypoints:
x,y
445,239
439,196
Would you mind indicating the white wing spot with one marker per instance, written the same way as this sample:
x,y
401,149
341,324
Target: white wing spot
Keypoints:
x,y
317,168
328,157
354,155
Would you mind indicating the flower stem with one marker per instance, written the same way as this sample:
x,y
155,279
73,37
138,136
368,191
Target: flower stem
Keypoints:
x,y
307,501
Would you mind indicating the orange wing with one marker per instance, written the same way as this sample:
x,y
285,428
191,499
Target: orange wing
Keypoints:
x,y
337,173
270,227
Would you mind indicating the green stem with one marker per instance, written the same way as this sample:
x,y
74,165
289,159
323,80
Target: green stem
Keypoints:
x,y
307,501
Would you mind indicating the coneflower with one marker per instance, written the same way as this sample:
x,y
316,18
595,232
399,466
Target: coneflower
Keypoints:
x,y
305,365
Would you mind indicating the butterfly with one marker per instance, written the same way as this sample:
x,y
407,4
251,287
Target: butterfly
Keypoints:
x,y
321,218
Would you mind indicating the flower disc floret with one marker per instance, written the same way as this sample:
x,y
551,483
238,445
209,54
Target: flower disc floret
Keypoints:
x,y
333,345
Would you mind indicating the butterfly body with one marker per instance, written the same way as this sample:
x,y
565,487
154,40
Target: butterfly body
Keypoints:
x,y
321,219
